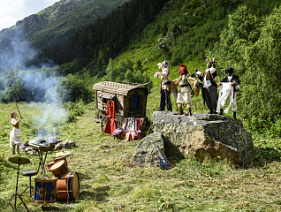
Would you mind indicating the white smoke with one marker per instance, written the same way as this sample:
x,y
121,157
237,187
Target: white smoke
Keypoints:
x,y
40,82
14,50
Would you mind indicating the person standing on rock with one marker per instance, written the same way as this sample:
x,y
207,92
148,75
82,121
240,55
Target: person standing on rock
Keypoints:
x,y
228,88
185,83
15,141
209,90
165,93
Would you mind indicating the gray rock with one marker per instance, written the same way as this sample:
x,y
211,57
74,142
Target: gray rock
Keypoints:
x,y
204,136
146,153
67,144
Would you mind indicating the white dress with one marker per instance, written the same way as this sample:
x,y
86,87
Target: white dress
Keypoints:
x,y
15,134
226,90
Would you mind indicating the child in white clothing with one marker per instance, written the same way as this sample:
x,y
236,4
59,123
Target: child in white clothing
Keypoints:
x,y
15,141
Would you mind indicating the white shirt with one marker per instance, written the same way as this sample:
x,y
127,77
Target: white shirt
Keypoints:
x,y
207,83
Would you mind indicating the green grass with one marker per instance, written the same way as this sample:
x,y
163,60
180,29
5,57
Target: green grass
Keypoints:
x,y
110,183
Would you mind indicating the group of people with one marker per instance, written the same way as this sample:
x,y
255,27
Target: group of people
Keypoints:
x,y
187,83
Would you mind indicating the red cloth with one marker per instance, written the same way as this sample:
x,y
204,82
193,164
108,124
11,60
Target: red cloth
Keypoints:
x,y
110,111
140,122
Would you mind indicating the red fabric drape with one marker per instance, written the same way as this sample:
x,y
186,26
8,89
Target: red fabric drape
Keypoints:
x,y
110,111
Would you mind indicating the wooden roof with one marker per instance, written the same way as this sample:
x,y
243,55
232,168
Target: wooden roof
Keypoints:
x,y
116,88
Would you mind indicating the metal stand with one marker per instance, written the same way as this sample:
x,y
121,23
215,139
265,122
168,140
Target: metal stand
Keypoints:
x,y
42,161
15,195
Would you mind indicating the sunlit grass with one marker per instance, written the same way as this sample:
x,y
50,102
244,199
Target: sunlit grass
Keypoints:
x,y
110,183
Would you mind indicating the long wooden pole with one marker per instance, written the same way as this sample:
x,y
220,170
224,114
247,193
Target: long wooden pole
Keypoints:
x,y
17,106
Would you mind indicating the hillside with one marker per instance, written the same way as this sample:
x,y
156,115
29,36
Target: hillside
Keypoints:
x,y
239,34
106,38
177,31
59,21
127,44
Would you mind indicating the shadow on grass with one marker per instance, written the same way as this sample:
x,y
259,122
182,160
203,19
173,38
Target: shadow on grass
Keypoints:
x,y
50,208
3,203
84,176
99,194
7,164
260,155
263,155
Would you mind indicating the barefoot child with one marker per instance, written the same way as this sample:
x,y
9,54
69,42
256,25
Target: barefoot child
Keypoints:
x,y
15,141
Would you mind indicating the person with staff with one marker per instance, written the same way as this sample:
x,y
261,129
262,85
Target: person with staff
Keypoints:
x,y
165,99
15,141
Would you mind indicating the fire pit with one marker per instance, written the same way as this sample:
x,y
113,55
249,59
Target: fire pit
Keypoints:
x,y
42,144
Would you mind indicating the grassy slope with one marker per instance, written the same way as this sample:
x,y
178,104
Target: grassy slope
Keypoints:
x,y
145,49
150,56
109,183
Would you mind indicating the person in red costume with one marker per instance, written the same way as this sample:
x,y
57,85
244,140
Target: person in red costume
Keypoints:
x,y
110,111
185,83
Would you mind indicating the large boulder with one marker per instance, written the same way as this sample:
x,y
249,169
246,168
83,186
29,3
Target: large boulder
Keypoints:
x,y
204,136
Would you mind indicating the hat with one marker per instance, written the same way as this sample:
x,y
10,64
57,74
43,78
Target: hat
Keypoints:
x,y
229,70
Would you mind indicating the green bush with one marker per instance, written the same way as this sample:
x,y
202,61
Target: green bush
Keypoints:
x,y
73,89
252,49
275,130
126,71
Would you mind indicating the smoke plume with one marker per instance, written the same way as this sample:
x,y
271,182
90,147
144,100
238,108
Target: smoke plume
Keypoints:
x,y
38,83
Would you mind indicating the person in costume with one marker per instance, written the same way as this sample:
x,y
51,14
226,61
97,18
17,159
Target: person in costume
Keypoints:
x,y
185,83
209,88
165,94
15,141
228,88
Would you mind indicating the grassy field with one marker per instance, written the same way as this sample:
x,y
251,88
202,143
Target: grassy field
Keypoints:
x,y
110,183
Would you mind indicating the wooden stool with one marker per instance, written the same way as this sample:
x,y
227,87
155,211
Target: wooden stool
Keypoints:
x,y
29,174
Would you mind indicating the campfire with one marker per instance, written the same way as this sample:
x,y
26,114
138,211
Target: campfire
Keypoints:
x,y
47,144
